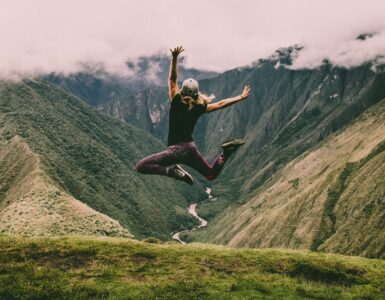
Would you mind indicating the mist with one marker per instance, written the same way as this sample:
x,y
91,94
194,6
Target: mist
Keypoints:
x,y
42,36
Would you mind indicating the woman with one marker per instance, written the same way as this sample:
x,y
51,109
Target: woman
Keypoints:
x,y
187,105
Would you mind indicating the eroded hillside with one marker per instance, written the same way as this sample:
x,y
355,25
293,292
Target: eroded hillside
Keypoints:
x,y
330,198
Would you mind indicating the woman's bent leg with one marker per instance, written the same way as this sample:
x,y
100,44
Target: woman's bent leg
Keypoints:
x,y
199,163
157,163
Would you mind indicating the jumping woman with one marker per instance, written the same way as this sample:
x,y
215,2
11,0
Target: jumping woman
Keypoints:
x,y
187,105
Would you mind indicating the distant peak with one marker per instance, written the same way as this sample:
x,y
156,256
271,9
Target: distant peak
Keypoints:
x,y
365,36
281,57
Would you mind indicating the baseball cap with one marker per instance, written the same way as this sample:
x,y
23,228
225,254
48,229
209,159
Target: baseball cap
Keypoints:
x,y
190,87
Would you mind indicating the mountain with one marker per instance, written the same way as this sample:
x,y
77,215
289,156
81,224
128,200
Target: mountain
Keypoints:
x,y
112,268
32,204
62,160
154,69
96,86
330,198
288,113
140,99
147,110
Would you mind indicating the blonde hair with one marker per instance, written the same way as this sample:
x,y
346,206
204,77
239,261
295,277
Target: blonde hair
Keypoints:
x,y
202,99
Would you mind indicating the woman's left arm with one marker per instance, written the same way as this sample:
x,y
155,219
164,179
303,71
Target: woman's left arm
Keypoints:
x,y
172,80
229,101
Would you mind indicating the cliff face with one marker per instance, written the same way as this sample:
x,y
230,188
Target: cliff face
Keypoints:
x,y
148,110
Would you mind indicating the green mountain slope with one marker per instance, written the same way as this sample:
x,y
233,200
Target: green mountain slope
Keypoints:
x,y
331,198
288,112
92,157
31,204
106,268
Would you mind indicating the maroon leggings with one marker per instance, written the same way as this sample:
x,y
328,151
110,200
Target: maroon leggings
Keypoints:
x,y
183,153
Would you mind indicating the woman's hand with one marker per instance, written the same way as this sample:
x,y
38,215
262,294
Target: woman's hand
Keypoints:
x,y
246,92
176,51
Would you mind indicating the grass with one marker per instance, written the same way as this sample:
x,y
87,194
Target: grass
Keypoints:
x,y
112,268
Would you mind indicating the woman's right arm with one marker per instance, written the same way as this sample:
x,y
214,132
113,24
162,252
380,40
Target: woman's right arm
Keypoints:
x,y
229,101
172,80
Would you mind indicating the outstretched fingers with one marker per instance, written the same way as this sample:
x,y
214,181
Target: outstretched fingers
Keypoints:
x,y
246,91
176,51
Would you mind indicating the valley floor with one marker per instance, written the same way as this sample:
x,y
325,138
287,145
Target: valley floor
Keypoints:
x,y
118,268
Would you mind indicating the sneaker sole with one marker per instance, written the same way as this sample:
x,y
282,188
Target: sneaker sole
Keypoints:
x,y
191,181
235,142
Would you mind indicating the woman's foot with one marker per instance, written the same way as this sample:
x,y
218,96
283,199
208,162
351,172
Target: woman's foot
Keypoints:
x,y
179,173
231,146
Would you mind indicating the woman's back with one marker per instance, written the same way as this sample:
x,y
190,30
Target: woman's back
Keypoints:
x,y
182,120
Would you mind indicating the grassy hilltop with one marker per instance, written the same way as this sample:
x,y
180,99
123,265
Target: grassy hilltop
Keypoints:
x,y
117,268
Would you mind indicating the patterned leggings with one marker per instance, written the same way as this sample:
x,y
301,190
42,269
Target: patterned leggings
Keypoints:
x,y
184,153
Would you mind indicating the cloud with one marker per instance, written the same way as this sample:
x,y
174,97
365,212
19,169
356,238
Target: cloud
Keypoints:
x,y
345,53
41,36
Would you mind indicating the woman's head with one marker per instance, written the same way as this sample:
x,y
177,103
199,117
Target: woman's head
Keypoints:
x,y
191,95
190,88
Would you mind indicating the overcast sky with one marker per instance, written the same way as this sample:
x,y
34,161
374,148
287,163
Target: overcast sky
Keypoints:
x,y
52,35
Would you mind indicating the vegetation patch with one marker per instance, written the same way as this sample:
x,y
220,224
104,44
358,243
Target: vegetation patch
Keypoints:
x,y
117,268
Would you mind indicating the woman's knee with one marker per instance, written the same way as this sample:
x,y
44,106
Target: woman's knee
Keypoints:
x,y
210,176
139,166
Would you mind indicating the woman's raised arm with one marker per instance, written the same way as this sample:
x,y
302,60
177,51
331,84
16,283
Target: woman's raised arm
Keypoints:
x,y
172,80
229,101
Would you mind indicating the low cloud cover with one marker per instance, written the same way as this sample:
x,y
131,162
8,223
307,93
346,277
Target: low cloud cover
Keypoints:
x,y
42,36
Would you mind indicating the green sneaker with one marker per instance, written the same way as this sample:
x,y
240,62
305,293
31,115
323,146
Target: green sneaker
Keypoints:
x,y
231,146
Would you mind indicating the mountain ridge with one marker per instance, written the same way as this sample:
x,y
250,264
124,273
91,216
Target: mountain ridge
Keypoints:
x,y
92,157
33,205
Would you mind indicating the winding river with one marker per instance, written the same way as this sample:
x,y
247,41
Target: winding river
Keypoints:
x,y
192,211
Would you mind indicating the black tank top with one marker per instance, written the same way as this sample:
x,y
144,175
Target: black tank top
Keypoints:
x,y
182,120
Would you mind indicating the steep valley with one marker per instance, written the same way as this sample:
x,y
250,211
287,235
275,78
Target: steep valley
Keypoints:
x,y
308,176
289,113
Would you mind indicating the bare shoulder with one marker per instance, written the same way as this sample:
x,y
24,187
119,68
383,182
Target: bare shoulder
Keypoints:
x,y
176,96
